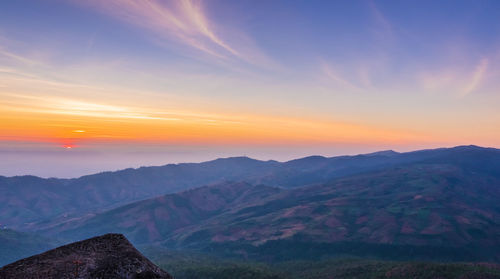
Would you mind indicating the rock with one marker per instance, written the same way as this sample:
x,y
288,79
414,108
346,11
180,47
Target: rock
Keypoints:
x,y
107,256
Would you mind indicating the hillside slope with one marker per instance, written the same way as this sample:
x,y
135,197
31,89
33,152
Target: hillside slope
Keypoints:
x,y
150,220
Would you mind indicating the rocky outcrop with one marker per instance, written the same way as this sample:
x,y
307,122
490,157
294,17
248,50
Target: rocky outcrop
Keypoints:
x,y
107,256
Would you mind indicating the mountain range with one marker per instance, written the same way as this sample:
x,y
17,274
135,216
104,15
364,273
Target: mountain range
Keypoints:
x,y
431,204
28,199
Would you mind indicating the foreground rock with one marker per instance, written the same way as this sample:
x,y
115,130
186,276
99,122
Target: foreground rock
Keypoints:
x,y
107,256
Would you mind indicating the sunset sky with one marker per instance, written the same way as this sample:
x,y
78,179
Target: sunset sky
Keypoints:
x,y
88,86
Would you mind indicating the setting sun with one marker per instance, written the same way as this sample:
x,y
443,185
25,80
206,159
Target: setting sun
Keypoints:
x,y
202,76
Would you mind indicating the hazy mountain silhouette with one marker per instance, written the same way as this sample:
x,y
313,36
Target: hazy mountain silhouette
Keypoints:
x,y
447,198
25,200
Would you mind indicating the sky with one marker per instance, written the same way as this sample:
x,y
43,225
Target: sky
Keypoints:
x,y
89,86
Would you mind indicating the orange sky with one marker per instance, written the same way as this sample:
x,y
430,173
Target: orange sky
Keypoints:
x,y
330,77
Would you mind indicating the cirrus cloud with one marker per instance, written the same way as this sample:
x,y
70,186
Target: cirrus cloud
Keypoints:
x,y
184,22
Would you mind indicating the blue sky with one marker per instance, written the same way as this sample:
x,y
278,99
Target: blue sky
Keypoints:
x,y
243,77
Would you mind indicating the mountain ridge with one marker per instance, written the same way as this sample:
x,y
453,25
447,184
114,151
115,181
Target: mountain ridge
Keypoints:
x,y
443,203
381,152
27,203
443,198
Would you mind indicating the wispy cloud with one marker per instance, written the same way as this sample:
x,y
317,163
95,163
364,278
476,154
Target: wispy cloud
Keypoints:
x,y
337,78
16,57
476,77
384,30
459,81
185,22
76,107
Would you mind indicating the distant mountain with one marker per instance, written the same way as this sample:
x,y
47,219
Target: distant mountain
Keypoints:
x,y
26,202
443,205
107,256
387,153
17,245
